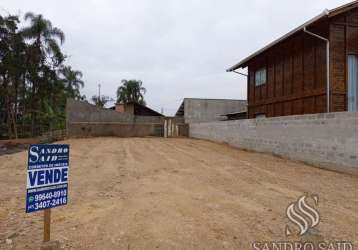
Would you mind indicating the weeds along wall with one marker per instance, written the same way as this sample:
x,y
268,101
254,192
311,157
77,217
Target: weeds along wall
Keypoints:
x,y
325,140
86,120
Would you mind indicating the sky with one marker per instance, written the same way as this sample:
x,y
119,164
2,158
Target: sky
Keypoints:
x,y
178,48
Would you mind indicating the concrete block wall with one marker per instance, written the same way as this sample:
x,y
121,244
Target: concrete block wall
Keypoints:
x,y
78,111
325,140
86,120
205,110
83,130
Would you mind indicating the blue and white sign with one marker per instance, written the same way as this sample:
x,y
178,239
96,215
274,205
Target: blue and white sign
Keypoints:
x,y
47,176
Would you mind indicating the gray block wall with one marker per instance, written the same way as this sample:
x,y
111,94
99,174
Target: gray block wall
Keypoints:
x,y
86,120
204,110
325,140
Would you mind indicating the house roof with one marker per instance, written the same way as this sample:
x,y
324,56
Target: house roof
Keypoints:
x,y
147,108
325,14
142,107
180,111
236,113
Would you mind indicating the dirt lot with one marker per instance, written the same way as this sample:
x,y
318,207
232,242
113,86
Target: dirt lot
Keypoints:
x,y
174,193
16,145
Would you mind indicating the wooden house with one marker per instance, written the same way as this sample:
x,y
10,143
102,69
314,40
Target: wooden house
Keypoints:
x,y
291,75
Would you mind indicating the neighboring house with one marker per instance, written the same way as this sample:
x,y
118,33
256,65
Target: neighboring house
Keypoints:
x,y
135,109
290,76
196,110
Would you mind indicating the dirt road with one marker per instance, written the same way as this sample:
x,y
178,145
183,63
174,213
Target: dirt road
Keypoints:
x,y
174,193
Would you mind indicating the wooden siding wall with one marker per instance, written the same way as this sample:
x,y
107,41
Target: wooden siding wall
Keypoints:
x,y
344,41
296,70
296,77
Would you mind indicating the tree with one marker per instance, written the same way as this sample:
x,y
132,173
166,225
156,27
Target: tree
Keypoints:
x,y
34,83
45,37
12,62
131,91
100,101
72,81
44,56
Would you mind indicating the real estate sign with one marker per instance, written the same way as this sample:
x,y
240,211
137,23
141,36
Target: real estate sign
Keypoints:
x,y
47,177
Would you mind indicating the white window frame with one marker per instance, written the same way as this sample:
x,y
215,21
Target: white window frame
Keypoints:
x,y
260,76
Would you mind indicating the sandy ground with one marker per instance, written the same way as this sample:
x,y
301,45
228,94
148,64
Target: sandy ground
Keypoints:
x,y
152,193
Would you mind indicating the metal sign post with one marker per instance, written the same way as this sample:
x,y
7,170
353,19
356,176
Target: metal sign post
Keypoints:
x,y
47,180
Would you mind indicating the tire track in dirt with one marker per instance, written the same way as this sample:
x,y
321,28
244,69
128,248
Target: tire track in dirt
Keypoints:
x,y
156,193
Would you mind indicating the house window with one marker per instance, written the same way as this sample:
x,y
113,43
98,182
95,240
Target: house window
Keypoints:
x,y
260,77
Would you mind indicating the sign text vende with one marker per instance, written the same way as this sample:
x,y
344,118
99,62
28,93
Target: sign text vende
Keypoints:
x,y
47,176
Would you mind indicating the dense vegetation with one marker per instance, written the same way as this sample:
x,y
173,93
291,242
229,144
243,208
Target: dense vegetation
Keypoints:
x,y
131,91
34,79
100,101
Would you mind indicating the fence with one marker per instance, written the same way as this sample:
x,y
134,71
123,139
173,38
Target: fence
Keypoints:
x,y
326,140
86,120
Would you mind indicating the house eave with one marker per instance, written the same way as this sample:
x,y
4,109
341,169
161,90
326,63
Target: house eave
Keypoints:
x,y
243,63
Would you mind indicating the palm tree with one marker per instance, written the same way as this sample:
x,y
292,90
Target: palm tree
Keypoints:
x,y
34,82
72,81
100,101
131,91
45,36
44,56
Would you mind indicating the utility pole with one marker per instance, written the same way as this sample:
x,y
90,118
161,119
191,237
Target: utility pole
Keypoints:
x,y
99,91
